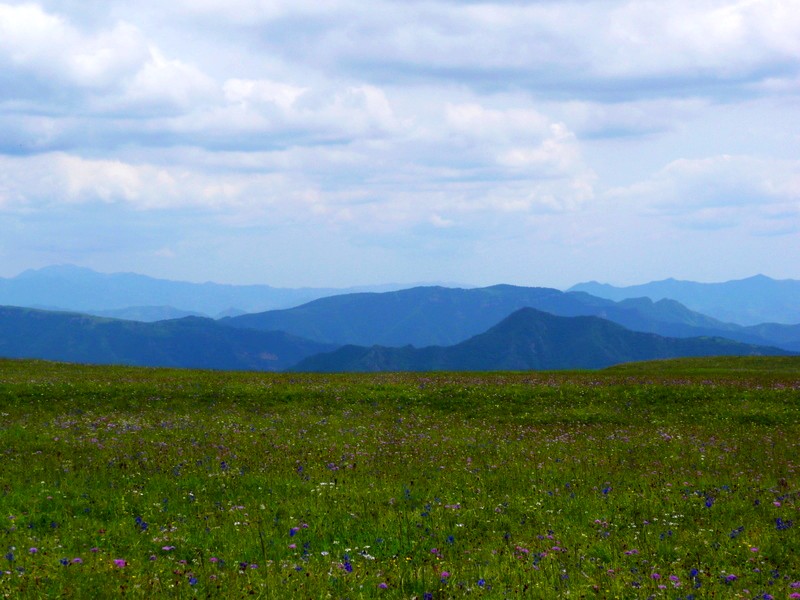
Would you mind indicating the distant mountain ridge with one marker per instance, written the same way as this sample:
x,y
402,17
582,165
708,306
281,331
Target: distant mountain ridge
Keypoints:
x,y
531,339
437,316
71,288
190,342
750,301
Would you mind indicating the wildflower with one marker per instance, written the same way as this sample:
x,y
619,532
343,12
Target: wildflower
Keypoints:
x,y
120,563
192,580
77,561
293,531
167,548
383,585
292,546
444,575
655,576
64,561
794,595
731,578
33,550
753,549
481,582
95,550
733,534
153,557
213,559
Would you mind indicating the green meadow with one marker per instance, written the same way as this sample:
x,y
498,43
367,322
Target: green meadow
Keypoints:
x,y
674,479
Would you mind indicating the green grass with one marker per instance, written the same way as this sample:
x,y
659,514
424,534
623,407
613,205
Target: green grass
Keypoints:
x,y
661,479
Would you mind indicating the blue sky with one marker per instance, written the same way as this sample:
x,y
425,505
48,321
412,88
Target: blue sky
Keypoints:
x,y
306,143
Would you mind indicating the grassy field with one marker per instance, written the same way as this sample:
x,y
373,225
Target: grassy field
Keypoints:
x,y
674,479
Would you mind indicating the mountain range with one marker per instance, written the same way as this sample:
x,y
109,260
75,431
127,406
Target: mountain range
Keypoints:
x,y
153,322
138,297
749,301
530,339
191,342
428,316
527,339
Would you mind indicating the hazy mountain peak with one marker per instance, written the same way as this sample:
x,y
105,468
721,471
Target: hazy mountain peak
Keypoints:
x,y
750,301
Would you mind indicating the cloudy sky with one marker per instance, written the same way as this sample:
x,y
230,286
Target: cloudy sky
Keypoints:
x,y
347,142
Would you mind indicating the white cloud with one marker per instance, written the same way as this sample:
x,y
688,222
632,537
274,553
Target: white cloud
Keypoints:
x,y
477,121
535,45
246,92
49,180
434,119
115,69
722,191
47,47
169,82
642,117
250,11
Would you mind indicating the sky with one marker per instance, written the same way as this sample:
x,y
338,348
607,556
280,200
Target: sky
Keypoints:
x,y
338,143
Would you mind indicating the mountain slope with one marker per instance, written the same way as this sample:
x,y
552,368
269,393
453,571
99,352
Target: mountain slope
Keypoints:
x,y
190,342
145,314
427,316
531,339
750,301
